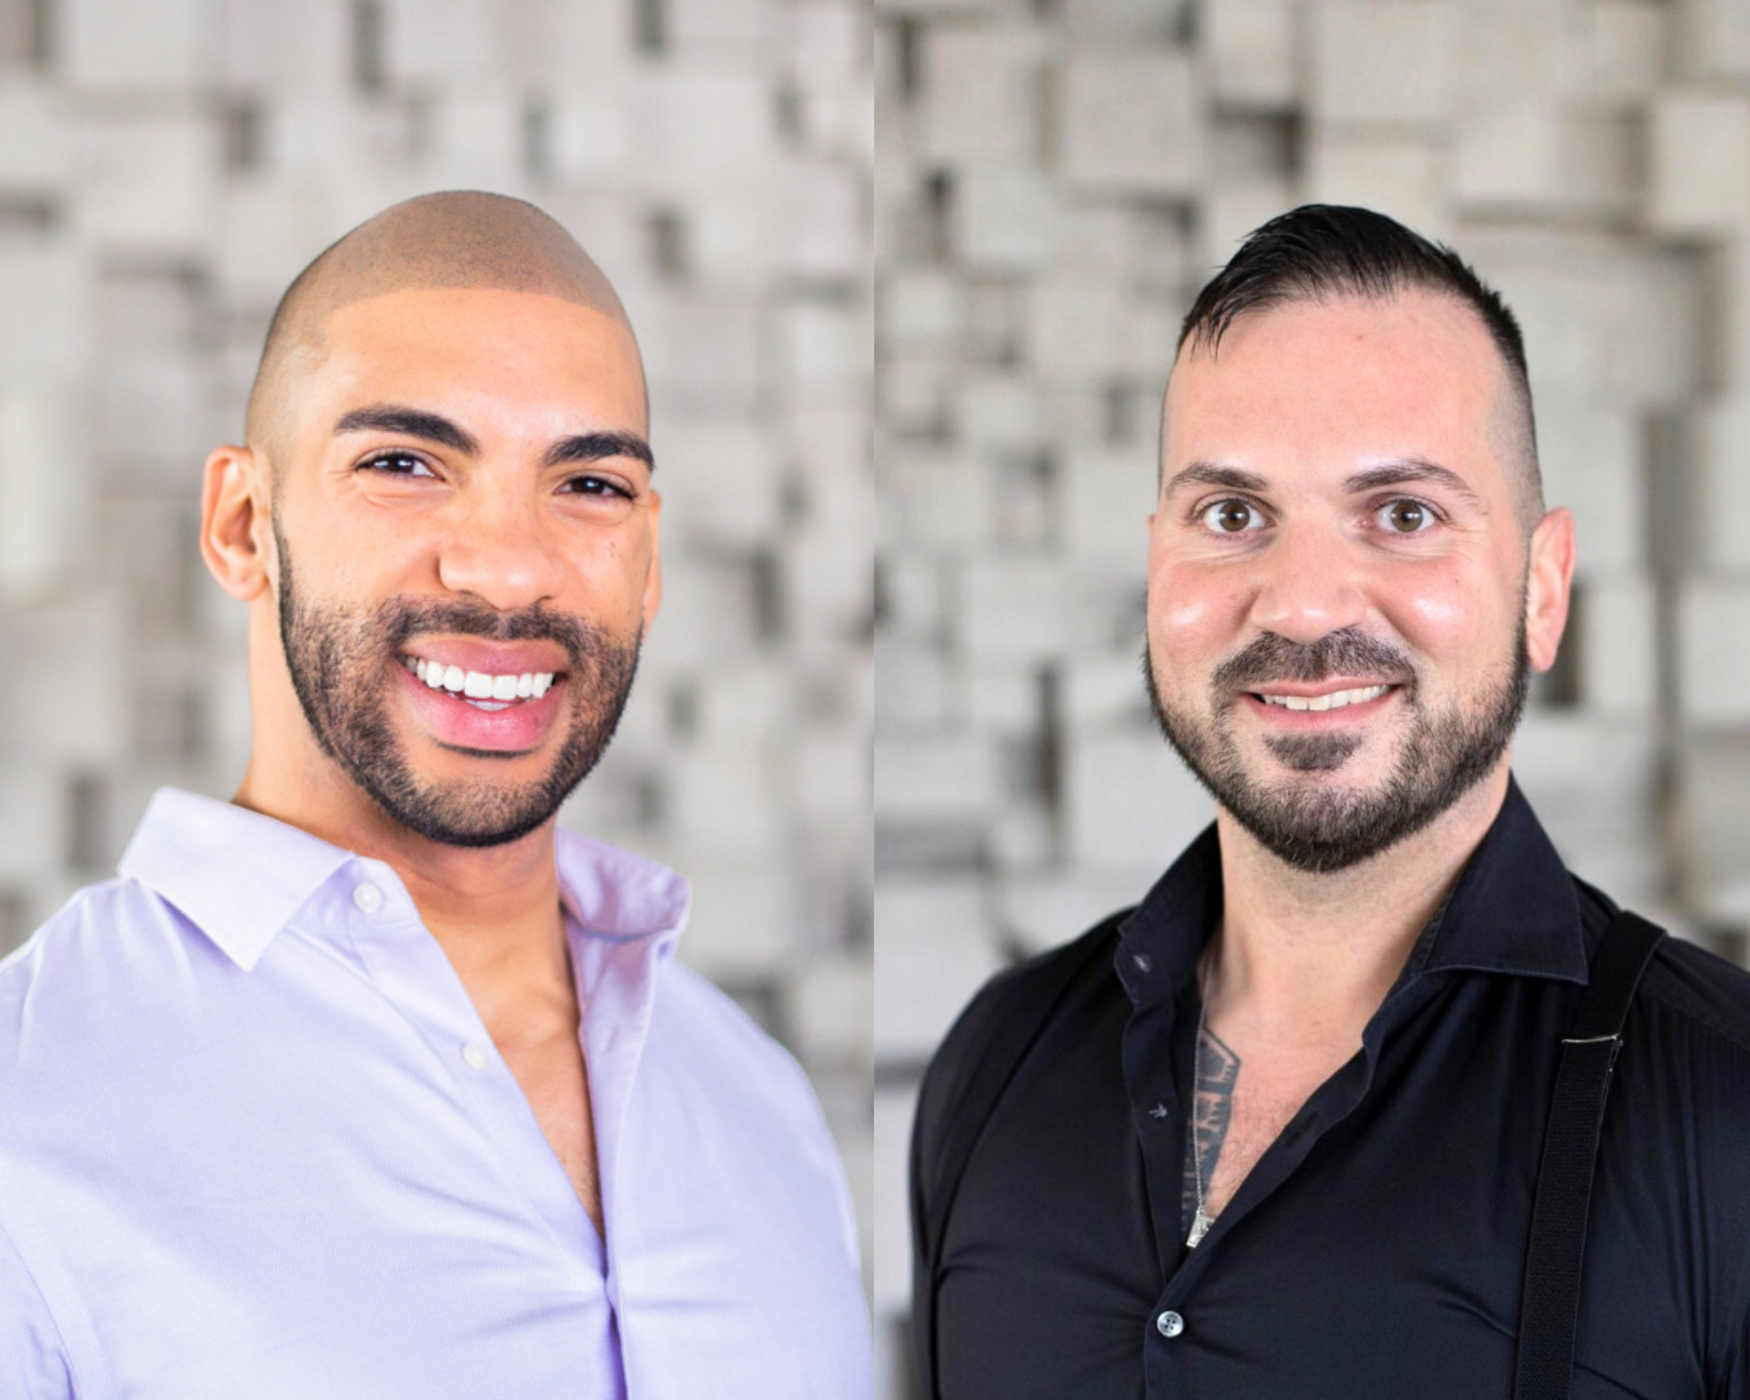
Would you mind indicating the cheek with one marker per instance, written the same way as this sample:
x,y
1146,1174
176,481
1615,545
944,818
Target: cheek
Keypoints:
x,y
1448,615
1192,614
609,569
615,556
1178,612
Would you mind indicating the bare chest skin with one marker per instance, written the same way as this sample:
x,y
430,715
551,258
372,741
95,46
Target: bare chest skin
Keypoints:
x,y
548,1064
1243,1102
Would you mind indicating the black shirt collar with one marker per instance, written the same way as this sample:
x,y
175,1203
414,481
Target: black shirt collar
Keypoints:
x,y
1513,910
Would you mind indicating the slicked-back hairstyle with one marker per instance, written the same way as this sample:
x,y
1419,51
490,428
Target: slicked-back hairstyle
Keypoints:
x,y
453,239
1322,251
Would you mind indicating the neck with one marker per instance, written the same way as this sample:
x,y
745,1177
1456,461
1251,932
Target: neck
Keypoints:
x,y
1301,958
494,909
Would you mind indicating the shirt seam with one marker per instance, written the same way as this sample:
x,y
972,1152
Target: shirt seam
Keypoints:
x,y
67,1355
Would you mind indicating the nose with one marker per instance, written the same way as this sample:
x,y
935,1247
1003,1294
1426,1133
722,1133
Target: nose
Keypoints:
x,y
495,550
1308,586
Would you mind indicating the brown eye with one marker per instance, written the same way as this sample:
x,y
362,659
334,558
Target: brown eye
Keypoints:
x,y
396,464
594,486
1230,517
1408,517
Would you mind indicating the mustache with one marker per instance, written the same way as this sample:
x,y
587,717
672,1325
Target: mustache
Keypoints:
x,y
1347,651
401,618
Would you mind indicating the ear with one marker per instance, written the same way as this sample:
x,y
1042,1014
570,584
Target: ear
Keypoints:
x,y
653,579
1549,576
235,528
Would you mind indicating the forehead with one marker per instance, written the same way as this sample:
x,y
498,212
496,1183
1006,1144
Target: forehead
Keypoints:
x,y
1413,375
491,352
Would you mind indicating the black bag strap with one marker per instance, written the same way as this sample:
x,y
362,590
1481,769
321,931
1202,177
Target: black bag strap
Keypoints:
x,y
1028,1008
1549,1307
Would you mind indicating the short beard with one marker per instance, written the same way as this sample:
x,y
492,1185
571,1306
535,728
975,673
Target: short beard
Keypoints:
x,y
1323,830
341,661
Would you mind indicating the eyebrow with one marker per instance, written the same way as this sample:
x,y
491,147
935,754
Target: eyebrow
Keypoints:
x,y
597,447
1397,473
1209,474
1412,469
388,418
434,427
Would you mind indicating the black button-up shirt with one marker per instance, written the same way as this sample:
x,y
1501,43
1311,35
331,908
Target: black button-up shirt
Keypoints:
x,y
1377,1248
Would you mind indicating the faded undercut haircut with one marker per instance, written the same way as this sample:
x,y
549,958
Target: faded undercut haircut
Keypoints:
x,y
1320,251
454,239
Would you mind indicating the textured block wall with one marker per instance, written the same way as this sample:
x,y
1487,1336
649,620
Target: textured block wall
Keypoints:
x,y
166,167
1054,179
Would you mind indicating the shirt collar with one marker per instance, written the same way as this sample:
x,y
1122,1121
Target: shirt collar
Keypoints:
x,y
1514,910
615,895
241,877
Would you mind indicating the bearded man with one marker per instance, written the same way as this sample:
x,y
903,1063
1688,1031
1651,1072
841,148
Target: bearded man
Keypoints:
x,y
1320,1117
371,1082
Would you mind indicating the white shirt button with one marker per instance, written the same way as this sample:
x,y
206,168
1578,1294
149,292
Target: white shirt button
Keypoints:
x,y
1169,1324
368,898
474,1056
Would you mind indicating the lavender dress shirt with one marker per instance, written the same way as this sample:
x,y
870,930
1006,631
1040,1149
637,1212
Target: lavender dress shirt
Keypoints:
x,y
255,1142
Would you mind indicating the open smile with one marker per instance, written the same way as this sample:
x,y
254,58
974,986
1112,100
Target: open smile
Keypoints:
x,y
501,713
1303,705
479,688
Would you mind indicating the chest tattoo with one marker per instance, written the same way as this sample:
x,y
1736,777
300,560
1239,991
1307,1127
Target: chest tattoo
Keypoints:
x,y
1212,1113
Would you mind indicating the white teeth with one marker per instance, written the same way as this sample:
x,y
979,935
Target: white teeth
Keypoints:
x,y
477,685
1336,700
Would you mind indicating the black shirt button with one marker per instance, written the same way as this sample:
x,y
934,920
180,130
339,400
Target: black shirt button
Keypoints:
x,y
1169,1324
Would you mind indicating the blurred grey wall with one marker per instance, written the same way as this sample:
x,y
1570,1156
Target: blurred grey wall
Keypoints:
x,y
167,166
1054,180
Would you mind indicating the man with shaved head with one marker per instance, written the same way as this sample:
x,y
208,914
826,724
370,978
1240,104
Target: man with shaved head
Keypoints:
x,y
1324,1116
371,1082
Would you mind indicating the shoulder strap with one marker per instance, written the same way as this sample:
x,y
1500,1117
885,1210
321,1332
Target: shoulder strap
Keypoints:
x,y
1549,1307
1027,1008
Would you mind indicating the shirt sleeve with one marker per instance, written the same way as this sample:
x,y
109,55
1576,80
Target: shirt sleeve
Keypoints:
x,y
33,1364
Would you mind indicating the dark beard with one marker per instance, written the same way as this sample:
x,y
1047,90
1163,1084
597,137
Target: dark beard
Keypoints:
x,y
339,664
1321,831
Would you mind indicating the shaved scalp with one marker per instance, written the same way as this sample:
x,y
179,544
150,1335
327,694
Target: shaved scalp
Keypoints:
x,y
458,239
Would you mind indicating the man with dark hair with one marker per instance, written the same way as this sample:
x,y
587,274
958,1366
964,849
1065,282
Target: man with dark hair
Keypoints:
x,y
371,1082
1324,1115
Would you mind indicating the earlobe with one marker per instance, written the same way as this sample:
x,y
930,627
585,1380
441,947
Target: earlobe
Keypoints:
x,y
234,523
1549,576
